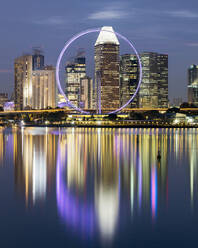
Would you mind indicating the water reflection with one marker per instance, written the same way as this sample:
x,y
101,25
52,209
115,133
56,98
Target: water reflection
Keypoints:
x,y
193,163
73,203
2,145
34,158
102,178
6,145
99,166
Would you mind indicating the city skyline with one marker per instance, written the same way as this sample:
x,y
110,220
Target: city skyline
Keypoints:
x,y
115,75
164,29
115,82
99,123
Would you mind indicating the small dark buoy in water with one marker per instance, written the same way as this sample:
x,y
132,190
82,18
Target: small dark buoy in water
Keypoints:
x,y
159,156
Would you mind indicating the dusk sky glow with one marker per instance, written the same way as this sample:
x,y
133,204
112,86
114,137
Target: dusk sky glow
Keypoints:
x,y
160,26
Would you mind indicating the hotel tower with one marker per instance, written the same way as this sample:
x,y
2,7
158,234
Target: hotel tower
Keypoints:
x,y
107,70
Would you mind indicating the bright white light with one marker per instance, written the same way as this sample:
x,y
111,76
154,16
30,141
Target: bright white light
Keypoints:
x,y
39,175
190,120
107,205
176,121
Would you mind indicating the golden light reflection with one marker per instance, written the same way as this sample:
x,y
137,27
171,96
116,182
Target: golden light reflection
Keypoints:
x,y
35,161
1,146
193,163
120,163
99,172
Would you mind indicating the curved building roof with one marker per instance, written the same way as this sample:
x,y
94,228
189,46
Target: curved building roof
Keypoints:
x,y
107,36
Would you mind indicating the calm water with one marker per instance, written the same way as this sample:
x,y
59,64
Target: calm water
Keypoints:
x,y
98,187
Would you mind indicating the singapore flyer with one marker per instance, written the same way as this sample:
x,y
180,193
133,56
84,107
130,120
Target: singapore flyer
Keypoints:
x,y
66,47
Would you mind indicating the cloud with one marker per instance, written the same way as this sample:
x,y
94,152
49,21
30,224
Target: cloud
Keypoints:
x,y
108,14
118,13
5,71
54,20
182,14
192,44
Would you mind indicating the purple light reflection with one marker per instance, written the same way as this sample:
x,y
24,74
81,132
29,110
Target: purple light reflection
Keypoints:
x,y
8,106
154,191
76,214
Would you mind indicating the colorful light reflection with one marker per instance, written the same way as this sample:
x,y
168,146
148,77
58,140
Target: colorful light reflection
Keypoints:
x,y
154,191
77,215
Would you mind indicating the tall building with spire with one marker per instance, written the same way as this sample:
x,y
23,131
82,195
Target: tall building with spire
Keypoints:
x,y
107,49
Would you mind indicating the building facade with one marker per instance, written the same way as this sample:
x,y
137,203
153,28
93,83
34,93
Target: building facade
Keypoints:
x,y
38,60
162,61
3,99
107,70
86,92
129,78
23,82
154,88
35,84
23,69
74,72
44,90
193,84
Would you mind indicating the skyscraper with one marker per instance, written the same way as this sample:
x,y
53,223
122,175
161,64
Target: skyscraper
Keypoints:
x,y
154,88
107,69
193,84
86,92
129,78
35,85
44,88
23,82
74,72
162,61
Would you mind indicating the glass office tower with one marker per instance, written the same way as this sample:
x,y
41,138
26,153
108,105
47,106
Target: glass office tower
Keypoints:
x,y
193,84
86,92
129,78
154,88
75,71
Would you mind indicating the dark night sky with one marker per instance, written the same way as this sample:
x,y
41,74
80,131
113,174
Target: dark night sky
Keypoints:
x,y
153,25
